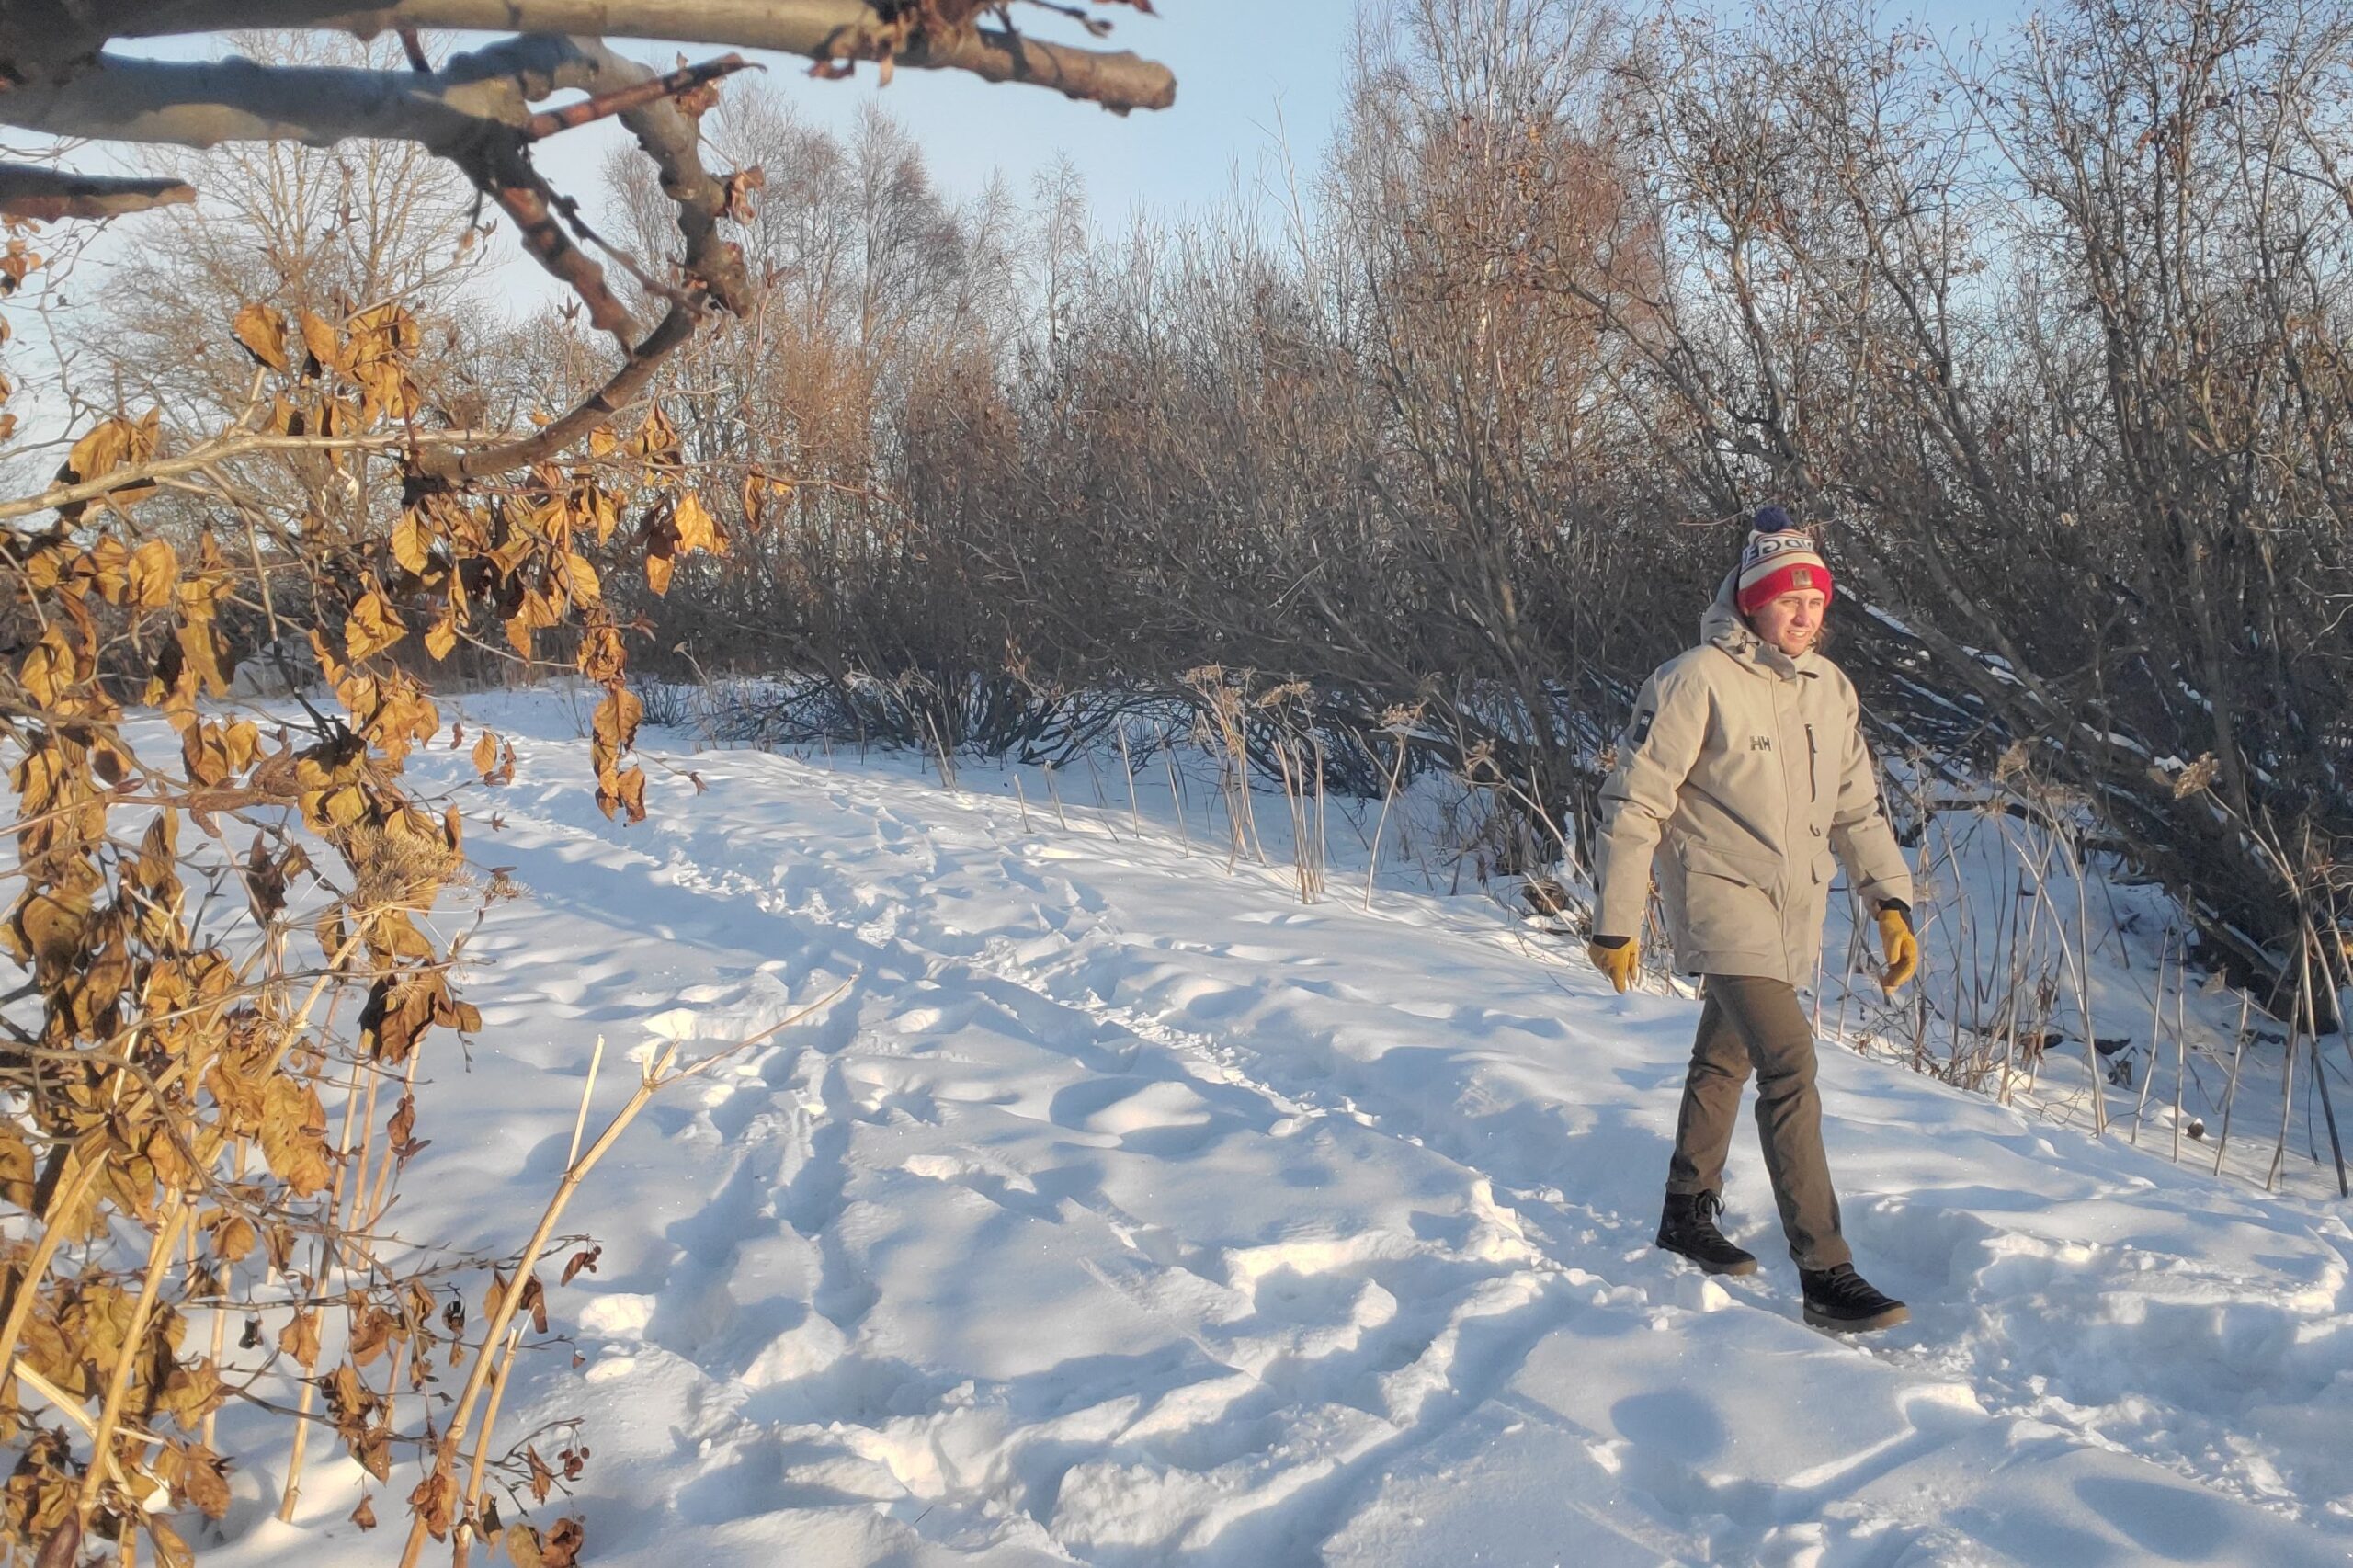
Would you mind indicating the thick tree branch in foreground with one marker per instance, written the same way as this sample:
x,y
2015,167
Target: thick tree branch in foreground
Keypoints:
x,y
211,102
205,104
817,29
476,112
28,191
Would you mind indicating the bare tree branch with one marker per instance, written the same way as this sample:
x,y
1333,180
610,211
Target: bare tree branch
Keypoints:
x,y
234,443
620,100
475,111
817,29
589,414
204,104
29,191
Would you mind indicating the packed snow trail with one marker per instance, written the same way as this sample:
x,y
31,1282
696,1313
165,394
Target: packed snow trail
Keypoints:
x,y
1122,1211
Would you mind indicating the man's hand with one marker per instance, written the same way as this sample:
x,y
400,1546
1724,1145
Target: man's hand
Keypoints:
x,y
1619,958
1903,949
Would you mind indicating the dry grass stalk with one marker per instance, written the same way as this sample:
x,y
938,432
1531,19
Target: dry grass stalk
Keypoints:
x,y
1128,769
657,1075
1388,797
588,1093
1176,799
176,1214
2230,1091
470,1515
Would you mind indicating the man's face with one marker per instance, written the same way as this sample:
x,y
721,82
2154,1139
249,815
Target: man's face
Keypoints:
x,y
1792,621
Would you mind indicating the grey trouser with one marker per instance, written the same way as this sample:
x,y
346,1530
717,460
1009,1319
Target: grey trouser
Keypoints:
x,y
1752,1021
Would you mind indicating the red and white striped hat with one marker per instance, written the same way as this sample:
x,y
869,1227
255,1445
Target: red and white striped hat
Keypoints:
x,y
1780,559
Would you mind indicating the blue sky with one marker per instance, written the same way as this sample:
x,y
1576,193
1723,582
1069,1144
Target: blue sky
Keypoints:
x,y
1252,76
1248,73
1238,64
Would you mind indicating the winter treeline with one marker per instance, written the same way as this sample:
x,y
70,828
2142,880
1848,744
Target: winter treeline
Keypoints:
x,y
2045,330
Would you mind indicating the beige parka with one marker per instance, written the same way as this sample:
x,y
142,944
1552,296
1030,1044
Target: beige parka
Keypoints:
x,y
1748,769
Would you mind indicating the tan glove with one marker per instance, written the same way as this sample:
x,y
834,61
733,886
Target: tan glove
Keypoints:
x,y
1903,949
1619,958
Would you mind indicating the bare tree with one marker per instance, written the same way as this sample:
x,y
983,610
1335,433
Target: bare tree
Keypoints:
x,y
181,1016
2065,307
475,111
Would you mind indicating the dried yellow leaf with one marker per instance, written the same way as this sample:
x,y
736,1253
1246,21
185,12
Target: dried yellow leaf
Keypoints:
x,y
581,578
263,332
151,575
372,627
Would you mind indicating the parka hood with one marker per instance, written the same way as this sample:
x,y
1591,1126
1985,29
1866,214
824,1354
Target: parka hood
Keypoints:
x,y
1721,625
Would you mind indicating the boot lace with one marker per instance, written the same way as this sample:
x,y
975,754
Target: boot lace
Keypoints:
x,y
1841,1284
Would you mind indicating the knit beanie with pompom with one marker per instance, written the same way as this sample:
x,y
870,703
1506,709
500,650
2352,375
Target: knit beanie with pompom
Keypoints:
x,y
1780,559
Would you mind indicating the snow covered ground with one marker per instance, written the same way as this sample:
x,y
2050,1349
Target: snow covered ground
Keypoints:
x,y
1124,1212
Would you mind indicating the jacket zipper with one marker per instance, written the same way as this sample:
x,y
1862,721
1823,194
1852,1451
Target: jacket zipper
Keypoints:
x,y
1812,782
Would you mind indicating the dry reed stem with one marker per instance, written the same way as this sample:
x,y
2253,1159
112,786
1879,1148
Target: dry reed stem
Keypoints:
x,y
221,1318
2082,968
1102,802
70,1190
336,1236
2286,1110
2180,1062
2230,1091
656,1077
377,1200
1128,767
1389,794
2307,940
2157,1039
1176,799
587,1092
1055,790
464,1529
159,1261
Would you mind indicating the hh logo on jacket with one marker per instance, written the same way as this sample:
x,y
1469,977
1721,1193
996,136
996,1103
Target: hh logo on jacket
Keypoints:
x,y
1760,743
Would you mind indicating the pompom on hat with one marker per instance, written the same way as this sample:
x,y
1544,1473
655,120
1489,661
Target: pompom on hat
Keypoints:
x,y
1779,559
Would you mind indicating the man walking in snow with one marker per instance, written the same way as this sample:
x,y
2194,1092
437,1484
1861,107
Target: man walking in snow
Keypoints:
x,y
1743,773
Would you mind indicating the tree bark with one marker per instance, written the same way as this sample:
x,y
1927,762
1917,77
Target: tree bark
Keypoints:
x,y
817,29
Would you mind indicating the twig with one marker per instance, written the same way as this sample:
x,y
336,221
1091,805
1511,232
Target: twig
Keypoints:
x,y
1176,799
159,1261
636,95
1388,795
2309,939
212,452
2231,1090
2157,1039
587,1091
1055,790
1128,767
86,1164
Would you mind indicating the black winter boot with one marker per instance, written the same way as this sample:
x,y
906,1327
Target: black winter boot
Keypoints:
x,y
1688,1230
1841,1300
